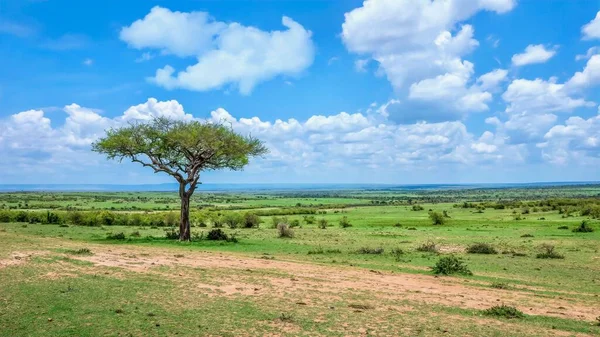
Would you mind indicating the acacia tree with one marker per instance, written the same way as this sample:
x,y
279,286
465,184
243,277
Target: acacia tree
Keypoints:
x,y
182,150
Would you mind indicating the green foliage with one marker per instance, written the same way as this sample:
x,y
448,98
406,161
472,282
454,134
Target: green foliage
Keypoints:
x,y
322,223
481,248
427,247
116,236
172,234
368,250
81,251
233,219
583,228
284,231
417,208
294,223
344,222
183,145
499,285
251,220
397,253
449,265
548,252
504,311
217,234
309,219
437,218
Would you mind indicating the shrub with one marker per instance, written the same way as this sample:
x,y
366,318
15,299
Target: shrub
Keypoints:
x,y
417,208
397,253
563,227
135,234
284,231
583,228
428,247
251,220
117,236
344,223
217,234
437,218
322,223
318,250
499,285
504,311
549,253
367,250
233,219
81,251
526,236
309,219
481,248
172,234
449,265
294,223
445,213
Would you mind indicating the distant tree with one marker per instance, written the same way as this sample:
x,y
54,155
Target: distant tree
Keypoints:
x,y
181,150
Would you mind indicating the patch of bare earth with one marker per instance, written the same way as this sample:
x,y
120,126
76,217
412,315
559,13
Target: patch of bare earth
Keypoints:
x,y
282,278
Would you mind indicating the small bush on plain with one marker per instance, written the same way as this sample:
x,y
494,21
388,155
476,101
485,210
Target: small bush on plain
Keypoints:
x,y
504,311
428,247
481,248
284,231
367,250
449,265
548,252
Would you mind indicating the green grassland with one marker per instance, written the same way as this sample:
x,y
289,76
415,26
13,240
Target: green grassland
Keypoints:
x,y
94,300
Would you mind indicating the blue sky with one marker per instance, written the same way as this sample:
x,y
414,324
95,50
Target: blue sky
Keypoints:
x,y
380,91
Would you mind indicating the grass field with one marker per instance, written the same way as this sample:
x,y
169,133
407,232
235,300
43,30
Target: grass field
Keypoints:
x,y
368,279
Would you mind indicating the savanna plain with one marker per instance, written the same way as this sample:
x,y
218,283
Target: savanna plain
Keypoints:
x,y
372,262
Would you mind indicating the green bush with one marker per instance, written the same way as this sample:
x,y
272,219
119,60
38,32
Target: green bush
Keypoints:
x,y
397,253
172,234
449,265
117,236
428,247
437,218
583,228
251,220
503,311
217,234
345,223
284,231
233,219
549,253
322,223
367,250
481,248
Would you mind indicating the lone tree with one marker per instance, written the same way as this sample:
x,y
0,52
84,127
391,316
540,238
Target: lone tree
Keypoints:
x,y
182,150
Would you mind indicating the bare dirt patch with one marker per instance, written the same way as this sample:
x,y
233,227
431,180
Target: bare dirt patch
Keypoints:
x,y
323,282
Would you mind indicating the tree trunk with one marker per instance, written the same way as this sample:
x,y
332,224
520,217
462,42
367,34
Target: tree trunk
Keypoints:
x,y
184,223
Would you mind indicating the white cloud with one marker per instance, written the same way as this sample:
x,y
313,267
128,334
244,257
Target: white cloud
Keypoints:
x,y
539,96
361,64
491,81
227,54
577,140
592,29
588,77
146,56
317,144
414,40
533,54
590,52
422,44
88,62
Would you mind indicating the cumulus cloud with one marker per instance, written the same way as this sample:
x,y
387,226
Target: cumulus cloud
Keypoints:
x,y
592,29
577,140
423,43
317,144
227,54
533,54
588,77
